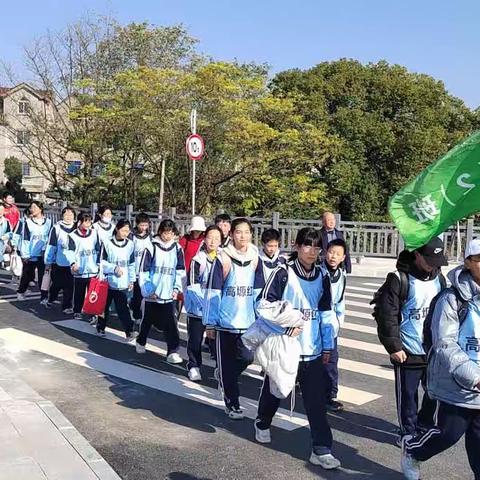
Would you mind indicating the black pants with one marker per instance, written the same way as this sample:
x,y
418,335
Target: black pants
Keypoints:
x,y
232,359
28,275
451,424
80,287
195,329
136,301
331,370
407,383
162,315
311,377
119,297
62,279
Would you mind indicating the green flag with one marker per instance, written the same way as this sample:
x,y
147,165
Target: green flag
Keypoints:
x,y
445,192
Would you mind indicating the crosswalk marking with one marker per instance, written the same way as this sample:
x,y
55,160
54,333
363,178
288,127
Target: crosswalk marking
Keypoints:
x,y
358,295
13,298
347,394
361,289
352,313
359,345
162,381
376,285
357,327
353,303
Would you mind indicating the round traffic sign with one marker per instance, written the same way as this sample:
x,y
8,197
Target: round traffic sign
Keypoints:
x,y
195,147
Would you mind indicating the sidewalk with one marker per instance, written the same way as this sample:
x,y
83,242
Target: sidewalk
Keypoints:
x,y
375,267
38,442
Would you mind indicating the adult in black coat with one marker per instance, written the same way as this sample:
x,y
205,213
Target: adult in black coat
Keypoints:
x,y
328,233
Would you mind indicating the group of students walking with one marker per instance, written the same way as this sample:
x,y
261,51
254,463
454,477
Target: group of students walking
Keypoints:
x,y
431,332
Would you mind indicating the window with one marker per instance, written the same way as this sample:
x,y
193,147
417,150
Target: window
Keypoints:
x,y
73,167
22,137
23,106
25,170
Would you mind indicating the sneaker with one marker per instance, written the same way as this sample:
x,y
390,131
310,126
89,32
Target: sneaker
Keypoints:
x,y
45,303
32,284
20,296
410,466
77,316
335,406
174,358
93,321
101,332
140,348
327,461
131,336
235,413
262,436
67,311
194,374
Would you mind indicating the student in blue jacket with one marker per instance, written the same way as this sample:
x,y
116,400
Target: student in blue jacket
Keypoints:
x,y
200,268
57,261
142,239
83,252
301,283
270,256
103,224
233,285
161,279
32,236
117,260
5,232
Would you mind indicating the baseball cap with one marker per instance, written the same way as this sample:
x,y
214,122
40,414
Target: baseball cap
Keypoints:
x,y
472,248
432,252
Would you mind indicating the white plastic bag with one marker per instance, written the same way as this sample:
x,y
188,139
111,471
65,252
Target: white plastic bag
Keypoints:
x,y
16,264
46,281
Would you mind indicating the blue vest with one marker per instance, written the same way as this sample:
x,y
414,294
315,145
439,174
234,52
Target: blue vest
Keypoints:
x,y
469,333
140,244
414,312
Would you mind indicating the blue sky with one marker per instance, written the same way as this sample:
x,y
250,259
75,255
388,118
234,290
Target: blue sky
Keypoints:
x,y
434,37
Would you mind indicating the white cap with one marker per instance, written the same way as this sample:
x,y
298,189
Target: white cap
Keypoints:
x,y
472,248
198,224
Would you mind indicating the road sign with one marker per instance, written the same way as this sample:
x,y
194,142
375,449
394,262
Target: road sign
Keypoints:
x,y
195,147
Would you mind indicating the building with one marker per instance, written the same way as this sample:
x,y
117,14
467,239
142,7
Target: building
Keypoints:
x,y
17,105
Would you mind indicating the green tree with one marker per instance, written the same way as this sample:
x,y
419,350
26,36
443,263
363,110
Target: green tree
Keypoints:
x,y
13,173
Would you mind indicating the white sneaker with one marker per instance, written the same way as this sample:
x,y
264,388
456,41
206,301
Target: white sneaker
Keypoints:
x,y
131,336
140,348
234,413
174,358
45,303
327,461
93,321
410,466
31,284
77,316
194,374
20,296
262,436
67,311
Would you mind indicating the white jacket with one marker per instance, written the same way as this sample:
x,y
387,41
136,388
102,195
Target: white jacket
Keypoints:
x,y
278,354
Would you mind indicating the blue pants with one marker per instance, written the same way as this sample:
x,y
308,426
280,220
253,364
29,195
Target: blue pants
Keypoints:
x,y
311,376
407,382
451,424
331,369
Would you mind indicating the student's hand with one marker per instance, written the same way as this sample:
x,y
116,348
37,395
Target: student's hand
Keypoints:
x,y
153,296
325,357
210,333
399,357
130,287
175,294
118,271
296,332
75,268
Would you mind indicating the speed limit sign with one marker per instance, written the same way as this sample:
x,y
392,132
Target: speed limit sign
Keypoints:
x,y
195,147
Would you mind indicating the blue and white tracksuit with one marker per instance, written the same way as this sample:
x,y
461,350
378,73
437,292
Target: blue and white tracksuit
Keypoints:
x,y
55,256
140,243
309,292
104,231
83,250
31,238
269,264
233,285
200,268
162,272
117,262
5,236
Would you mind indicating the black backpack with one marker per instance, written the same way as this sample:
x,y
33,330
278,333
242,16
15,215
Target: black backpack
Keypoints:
x,y
404,287
462,309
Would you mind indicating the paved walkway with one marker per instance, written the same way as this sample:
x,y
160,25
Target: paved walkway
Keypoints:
x,y
38,442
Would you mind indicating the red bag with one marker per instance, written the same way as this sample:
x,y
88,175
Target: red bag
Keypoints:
x,y
96,299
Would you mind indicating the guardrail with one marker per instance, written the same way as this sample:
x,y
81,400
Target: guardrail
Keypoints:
x,y
364,239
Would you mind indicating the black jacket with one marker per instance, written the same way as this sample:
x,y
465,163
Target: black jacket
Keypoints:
x,y
389,308
339,234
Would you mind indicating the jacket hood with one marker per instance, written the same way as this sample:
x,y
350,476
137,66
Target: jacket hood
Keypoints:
x,y
463,281
250,254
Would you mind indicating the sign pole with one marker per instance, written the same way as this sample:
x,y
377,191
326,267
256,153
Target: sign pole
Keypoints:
x,y
193,127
